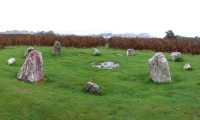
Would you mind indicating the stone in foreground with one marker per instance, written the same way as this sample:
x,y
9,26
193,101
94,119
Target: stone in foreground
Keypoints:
x,y
92,88
175,55
28,51
96,51
57,48
159,68
32,69
187,66
11,61
130,52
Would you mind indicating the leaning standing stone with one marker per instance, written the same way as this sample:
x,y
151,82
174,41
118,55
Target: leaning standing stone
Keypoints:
x,y
130,52
28,51
57,48
159,68
32,69
92,88
175,55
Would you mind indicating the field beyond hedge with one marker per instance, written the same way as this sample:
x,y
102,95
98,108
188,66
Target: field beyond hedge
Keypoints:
x,y
127,92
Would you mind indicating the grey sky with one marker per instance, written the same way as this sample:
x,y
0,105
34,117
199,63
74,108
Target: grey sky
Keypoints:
x,y
97,16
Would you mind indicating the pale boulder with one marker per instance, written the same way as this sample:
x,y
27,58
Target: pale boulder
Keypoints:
x,y
11,61
175,55
159,68
96,51
92,88
187,66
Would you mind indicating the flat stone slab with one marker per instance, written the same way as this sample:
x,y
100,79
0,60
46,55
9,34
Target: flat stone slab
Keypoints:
x,y
105,65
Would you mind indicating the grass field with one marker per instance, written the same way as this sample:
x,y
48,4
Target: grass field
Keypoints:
x,y
126,92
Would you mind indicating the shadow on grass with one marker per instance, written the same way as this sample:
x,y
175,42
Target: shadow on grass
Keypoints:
x,y
178,60
189,69
97,54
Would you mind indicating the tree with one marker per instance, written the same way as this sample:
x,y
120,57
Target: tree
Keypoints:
x,y
50,32
170,34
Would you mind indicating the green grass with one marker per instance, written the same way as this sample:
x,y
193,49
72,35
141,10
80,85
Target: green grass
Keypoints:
x,y
126,92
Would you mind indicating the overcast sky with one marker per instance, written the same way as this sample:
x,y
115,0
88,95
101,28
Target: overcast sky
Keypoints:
x,y
97,16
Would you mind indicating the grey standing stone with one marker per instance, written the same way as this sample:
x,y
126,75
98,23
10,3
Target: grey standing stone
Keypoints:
x,y
92,88
32,69
57,48
159,68
28,51
175,55
130,52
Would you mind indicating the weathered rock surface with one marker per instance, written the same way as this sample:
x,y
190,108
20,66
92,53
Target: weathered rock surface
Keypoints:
x,y
175,55
187,66
96,51
57,48
32,69
92,88
28,51
11,61
159,68
130,52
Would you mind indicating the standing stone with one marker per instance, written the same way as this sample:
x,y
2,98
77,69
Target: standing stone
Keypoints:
x,y
96,51
159,68
92,88
28,51
175,55
57,48
130,52
187,66
32,69
11,61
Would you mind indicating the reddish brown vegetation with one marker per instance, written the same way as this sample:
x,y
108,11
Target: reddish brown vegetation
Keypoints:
x,y
156,44
48,40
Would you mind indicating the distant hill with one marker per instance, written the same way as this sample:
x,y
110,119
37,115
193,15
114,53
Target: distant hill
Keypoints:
x,y
17,32
105,35
131,35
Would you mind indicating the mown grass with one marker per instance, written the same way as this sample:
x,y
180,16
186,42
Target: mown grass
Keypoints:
x,y
127,92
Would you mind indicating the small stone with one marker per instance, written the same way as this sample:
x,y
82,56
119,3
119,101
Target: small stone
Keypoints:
x,y
96,51
130,52
11,61
187,66
92,88
28,51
